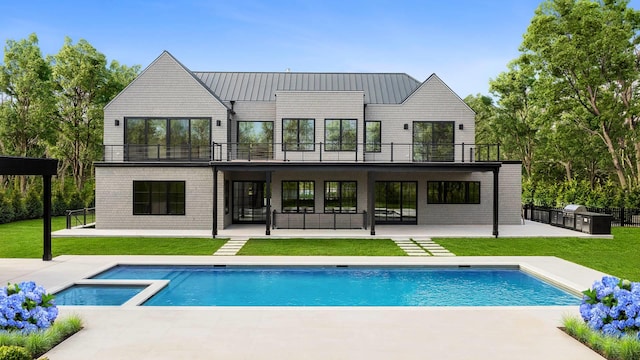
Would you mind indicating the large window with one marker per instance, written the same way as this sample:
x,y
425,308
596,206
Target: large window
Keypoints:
x,y
255,140
340,134
298,196
433,141
340,196
298,134
158,197
396,202
453,192
372,136
168,138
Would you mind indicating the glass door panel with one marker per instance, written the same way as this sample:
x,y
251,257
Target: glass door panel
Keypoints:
x,y
249,202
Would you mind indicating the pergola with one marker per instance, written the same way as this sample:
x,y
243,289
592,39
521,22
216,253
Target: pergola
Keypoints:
x,y
33,166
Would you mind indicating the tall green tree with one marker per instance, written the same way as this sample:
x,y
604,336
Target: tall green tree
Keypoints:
x,y
589,50
519,112
81,77
28,108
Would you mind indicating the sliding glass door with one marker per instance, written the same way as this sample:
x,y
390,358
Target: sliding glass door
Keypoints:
x,y
396,202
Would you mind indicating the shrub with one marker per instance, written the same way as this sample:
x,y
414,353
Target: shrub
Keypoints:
x,y
612,306
33,204
58,204
17,202
26,307
6,209
14,353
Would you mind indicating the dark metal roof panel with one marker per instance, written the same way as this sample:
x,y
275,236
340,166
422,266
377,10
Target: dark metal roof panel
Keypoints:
x,y
382,88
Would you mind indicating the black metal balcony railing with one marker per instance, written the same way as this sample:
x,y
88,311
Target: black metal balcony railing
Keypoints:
x,y
319,152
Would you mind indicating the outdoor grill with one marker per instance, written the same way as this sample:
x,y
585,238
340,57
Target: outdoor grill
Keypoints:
x,y
569,214
572,209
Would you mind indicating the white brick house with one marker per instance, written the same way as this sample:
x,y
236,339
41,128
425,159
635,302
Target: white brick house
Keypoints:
x,y
201,150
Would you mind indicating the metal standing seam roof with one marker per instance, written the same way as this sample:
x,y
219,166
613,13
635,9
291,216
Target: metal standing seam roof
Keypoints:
x,y
378,88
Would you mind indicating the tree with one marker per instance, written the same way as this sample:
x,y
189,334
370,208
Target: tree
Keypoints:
x,y
26,116
589,50
485,111
82,88
519,112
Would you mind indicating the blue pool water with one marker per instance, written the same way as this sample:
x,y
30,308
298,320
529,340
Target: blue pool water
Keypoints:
x,y
337,286
97,294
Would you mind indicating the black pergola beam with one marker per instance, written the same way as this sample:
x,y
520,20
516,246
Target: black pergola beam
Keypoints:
x,y
10,165
46,168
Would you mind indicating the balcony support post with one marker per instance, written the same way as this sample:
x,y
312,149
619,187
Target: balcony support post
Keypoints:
x,y
268,196
495,201
371,201
214,222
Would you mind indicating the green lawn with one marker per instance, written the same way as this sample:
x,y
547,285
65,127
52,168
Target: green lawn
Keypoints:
x,y
321,247
619,256
23,239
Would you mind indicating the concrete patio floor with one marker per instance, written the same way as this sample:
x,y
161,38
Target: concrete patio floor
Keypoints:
x,y
311,332
528,229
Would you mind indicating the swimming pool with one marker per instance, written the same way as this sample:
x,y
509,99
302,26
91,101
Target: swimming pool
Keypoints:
x,y
342,286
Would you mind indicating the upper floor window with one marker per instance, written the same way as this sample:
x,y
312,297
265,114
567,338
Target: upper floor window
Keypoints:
x,y
158,197
372,136
453,192
433,141
255,140
298,134
340,134
298,196
168,138
340,196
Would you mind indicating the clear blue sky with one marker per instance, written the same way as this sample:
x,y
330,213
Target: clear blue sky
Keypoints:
x,y
465,42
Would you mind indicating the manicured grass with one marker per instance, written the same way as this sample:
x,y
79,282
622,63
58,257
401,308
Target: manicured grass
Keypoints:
x,y
23,239
625,348
39,342
321,247
617,256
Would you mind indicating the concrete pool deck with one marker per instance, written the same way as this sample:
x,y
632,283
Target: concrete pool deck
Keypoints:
x,y
311,332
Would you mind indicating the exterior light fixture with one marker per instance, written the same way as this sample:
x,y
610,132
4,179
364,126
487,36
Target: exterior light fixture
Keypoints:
x,y
406,126
117,122
460,126
218,123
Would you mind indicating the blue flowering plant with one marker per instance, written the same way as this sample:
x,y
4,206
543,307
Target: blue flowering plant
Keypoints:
x,y
612,306
26,307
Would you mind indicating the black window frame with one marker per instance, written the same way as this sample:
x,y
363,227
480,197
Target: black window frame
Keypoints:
x,y
340,197
297,200
262,151
167,151
377,144
341,144
298,146
433,148
167,198
439,192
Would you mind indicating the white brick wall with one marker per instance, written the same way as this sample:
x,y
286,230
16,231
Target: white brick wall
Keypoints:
x,y
114,197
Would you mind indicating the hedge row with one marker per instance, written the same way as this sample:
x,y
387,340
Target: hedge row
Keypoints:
x,y
579,192
14,206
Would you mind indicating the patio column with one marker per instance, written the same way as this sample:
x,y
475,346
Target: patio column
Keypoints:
x,y
371,201
46,211
214,222
495,201
268,196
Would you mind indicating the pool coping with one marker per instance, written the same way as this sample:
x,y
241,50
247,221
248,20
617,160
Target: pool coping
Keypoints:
x,y
139,332
559,276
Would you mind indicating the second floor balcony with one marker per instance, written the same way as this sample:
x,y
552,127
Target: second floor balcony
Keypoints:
x,y
305,152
